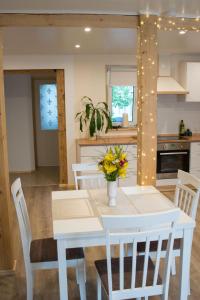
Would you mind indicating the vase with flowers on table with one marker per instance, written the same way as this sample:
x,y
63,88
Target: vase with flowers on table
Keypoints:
x,y
114,165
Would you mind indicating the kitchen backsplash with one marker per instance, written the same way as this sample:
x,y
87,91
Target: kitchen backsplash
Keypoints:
x,y
172,109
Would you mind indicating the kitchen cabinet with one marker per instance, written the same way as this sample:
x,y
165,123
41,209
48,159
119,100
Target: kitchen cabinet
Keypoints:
x,y
190,79
195,159
94,154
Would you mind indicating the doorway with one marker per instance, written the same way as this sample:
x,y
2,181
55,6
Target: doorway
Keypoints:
x,y
45,119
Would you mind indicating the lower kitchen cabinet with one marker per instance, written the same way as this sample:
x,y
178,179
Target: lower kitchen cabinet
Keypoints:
x,y
94,154
195,159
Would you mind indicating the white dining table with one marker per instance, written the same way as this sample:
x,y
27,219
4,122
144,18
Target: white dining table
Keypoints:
x,y
77,223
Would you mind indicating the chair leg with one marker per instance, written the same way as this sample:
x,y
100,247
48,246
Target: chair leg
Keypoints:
x,y
85,274
77,273
29,284
99,291
81,278
189,289
173,266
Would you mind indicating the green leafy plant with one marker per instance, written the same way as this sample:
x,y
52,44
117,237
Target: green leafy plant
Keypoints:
x,y
96,117
122,96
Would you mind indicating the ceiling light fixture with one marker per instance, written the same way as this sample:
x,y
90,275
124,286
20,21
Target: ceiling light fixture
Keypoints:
x,y
87,29
182,31
77,46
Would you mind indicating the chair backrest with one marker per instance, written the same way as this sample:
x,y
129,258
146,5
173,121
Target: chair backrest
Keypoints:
x,y
131,230
87,176
23,218
186,197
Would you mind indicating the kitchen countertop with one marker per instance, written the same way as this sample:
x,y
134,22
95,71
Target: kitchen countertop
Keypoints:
x,y
108,141
131,140
186,139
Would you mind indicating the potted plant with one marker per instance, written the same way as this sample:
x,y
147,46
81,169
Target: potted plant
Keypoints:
x,y
96,117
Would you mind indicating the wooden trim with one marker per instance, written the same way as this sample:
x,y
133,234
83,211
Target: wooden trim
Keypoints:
x,y
22,172
43,73
172,93
68,20
147,101
67,186
6,255
177,23
34,120
94,20
62,137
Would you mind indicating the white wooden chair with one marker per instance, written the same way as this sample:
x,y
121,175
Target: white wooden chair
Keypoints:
x,y
87,176
136,276
187,199
42,254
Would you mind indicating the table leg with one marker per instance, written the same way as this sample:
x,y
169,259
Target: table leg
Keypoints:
x,y
186,248
62,270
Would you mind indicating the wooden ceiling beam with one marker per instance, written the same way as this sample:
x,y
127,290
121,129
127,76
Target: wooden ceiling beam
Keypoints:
x,y
177,23
68,20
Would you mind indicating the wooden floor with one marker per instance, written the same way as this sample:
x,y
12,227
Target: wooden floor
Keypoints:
x,y
42,176
46,283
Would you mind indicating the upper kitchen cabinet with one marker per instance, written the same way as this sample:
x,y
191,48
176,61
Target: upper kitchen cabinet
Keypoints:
x,y
190,79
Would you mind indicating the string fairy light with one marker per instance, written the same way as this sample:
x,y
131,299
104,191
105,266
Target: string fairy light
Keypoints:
x,y
147,62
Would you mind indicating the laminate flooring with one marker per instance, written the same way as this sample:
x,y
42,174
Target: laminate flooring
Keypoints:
x,y
42,176
46,282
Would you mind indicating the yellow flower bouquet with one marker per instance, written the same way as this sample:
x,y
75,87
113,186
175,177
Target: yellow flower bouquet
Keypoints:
x,y
114,163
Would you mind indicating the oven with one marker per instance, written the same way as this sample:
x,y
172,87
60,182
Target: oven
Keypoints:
x,y
171,157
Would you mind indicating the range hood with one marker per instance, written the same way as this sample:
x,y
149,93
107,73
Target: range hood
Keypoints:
x,y
167,85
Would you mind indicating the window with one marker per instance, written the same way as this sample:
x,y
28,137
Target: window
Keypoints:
x,y
122,102
121,81
48,106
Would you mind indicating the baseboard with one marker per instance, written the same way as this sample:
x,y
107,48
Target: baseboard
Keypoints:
x,y
22,172
67,186
10,271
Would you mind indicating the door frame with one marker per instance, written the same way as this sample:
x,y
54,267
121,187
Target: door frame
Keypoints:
x,y
58,75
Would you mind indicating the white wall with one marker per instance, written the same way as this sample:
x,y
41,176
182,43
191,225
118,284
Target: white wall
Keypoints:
x,y
90,77
19,122
84,75
17,62
172,109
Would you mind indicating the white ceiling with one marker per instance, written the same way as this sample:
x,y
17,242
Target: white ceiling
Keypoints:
x,y
189,8
99,41
59,40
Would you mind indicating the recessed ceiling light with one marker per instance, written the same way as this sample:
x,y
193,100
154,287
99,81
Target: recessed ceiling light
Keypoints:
x,y
182,31
77,46
87,29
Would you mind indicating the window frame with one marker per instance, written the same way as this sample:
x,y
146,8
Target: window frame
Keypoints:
x,y
109,92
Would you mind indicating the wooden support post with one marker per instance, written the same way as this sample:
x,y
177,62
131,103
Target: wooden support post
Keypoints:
x,y
147,100
6,258
60,81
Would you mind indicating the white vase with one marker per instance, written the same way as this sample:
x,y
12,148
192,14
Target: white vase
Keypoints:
x,y
112,193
